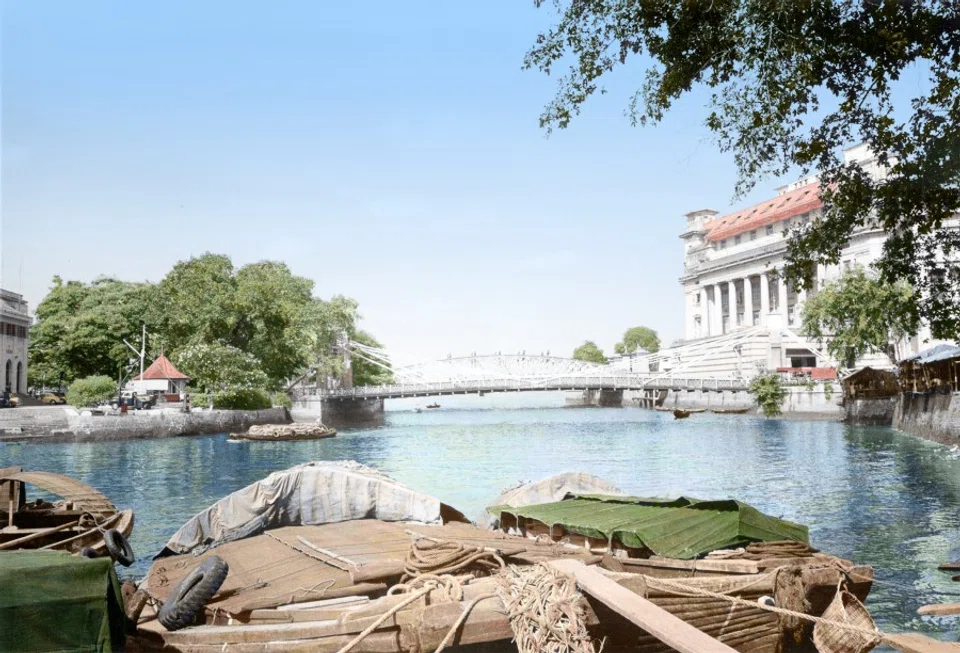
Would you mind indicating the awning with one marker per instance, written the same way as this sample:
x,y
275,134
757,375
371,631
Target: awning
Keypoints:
x,y
681,528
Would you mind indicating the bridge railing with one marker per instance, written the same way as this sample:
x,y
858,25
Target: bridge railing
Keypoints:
x,y
591,382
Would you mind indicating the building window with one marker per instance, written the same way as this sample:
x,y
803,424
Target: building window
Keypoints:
x,y
697,299
736,240
753,235
769,229
723,244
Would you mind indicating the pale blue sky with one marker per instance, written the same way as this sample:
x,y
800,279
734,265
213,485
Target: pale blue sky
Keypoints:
x,y
389,151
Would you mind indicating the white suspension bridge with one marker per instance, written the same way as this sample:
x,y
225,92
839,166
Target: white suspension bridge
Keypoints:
x,y
481,374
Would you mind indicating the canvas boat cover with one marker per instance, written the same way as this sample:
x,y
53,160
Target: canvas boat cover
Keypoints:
x,y
549,490
54,601
310,494
682,528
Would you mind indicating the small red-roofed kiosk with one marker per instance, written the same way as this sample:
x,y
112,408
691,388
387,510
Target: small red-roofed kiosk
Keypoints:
x,y
162,377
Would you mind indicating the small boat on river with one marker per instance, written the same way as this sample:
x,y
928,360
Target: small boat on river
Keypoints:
x,y
731,411
333,555
680,413
433,405
285,432
82,521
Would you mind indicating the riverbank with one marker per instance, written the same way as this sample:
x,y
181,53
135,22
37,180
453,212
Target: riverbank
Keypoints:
x,y
66,424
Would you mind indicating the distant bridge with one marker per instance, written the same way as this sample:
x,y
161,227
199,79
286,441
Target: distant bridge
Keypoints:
x,y
499,373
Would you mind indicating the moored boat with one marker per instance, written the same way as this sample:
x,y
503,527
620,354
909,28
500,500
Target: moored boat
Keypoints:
x,y
331,555
285,432
730,411
84,520
680,413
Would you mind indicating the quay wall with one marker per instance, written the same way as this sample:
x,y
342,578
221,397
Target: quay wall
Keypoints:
x,y
66,424
801,401
873,411
930,416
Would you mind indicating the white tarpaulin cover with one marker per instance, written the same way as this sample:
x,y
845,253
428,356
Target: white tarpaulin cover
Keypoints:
x,y
310,494
550,490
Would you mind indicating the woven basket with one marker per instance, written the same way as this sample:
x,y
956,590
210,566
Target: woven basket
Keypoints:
x,y
845,609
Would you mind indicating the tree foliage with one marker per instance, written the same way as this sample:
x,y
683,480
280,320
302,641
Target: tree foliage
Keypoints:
x,y
639,337
790,84
365,372
230,328
858,314
769,393
90,391
589,352
216,367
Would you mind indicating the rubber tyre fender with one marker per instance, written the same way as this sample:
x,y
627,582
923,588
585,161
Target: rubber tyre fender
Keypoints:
x,y
191,594
118,547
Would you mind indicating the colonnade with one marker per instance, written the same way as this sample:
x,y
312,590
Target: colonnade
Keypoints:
x,y
727,305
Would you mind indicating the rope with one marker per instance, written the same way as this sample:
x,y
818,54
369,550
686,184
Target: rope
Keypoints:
x,y
681,589
545,610
438,557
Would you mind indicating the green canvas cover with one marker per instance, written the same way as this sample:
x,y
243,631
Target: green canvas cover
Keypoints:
x,y
53,601
682,528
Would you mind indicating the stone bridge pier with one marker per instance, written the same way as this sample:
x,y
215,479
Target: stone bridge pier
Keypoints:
x,y
338,413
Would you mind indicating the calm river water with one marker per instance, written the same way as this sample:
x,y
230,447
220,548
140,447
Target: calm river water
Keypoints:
x,y
868,494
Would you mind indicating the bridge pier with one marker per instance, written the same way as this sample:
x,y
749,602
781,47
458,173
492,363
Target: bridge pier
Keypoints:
x,y
601,398
339,413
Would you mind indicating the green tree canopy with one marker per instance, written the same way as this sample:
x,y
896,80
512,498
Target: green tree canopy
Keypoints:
x,y
859,314
639,337
81,327
214,367
259,323
790,84
589,352
91,390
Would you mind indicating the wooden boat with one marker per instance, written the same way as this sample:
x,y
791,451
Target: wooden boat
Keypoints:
x,y
433,405
285,432
75,523
320,587
679,413
731,411
662,409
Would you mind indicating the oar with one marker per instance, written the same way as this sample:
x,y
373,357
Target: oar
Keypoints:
x,y
35,536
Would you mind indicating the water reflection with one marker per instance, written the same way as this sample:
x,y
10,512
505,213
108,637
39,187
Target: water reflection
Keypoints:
x,y
868,494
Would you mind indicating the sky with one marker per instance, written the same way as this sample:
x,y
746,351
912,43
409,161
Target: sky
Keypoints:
x,y
388,151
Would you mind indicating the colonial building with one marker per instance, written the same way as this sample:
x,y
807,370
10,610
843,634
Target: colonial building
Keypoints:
x,y
14,332
731,286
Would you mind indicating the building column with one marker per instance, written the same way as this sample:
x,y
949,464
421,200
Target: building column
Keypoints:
x,y
782,299
764,299
715,328
703,308
747,301
732,303
691,311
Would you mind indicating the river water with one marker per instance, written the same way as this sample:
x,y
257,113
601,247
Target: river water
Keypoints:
x,y
871,495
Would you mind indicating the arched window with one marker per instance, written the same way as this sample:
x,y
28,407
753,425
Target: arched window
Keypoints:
x,y
9,381
19,377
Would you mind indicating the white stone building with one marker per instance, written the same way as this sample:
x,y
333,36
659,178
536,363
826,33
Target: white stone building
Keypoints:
x,y
15,324
730,284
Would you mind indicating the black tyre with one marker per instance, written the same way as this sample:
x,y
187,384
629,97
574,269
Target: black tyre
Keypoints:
x,y
87,552
187,599
118,547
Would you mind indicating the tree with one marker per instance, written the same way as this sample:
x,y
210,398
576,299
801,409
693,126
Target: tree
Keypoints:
x,y
365,372
858,314
639,337
90,391
589,352
790,84
769,393
81,327
216,367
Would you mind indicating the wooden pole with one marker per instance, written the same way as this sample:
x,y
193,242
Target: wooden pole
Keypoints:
x,y
35,536
667,628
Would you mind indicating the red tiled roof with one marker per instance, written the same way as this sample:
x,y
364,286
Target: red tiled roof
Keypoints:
x,y
160,369
781,207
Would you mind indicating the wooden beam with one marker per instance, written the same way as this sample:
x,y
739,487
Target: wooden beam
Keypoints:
x,y
669,629
37,535
914,643
939,609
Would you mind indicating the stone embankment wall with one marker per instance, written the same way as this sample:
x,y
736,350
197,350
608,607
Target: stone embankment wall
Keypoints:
x,y
876,411
930,416
338,413
65,424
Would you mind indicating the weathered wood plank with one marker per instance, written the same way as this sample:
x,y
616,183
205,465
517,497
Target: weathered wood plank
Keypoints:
x,y
648,616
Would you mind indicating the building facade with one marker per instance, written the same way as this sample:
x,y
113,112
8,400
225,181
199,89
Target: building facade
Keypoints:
x,y
730,281
15,324
161,377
